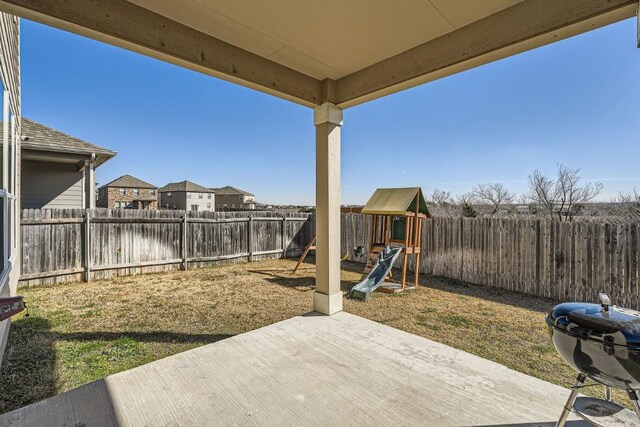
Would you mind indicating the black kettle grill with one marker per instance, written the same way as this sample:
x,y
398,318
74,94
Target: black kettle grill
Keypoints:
x,y
602,343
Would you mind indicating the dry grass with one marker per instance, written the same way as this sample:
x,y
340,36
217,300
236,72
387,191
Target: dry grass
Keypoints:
x,y
81,332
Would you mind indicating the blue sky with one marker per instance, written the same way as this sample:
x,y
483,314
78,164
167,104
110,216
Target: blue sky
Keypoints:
x,y
575,102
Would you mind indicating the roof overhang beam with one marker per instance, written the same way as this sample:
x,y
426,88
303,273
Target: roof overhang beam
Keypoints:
x,y
516,29
124,24
524,26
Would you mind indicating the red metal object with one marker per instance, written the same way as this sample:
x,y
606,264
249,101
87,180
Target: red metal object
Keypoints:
x,y
11,306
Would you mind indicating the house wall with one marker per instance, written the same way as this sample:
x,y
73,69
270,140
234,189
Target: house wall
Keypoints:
x,y
229,201
180,200
52,185
10,76
101,200
110,197
232,201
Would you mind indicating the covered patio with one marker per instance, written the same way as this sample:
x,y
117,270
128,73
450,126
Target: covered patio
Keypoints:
x,y
327,56
309,370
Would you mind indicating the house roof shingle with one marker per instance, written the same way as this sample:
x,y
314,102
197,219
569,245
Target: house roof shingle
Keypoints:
x,y
231,190
128,181
185,186
39,137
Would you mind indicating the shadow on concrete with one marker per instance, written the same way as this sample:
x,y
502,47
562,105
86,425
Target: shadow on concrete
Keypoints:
x,y
90,404
312,314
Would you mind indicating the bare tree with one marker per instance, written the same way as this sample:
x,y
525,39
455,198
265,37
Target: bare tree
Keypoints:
x,y
444,202
563,196
467,198
543,192
441,197
627,207
495,194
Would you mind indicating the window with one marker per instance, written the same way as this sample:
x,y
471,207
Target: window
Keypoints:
x,y
136,191
8,160
208,205
188,195
168,195
122,191
200,195
153,192
209,196
194,208
14,212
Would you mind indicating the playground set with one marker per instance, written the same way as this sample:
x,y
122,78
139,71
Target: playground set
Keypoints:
x,y
396,230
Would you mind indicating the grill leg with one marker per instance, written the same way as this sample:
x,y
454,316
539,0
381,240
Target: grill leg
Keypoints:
x,y
633,396
572,399
607,393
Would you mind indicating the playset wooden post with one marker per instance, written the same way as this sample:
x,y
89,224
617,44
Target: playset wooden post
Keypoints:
x,y
397,215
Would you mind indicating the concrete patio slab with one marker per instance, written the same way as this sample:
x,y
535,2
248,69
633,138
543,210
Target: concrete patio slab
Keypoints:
x,y
308,370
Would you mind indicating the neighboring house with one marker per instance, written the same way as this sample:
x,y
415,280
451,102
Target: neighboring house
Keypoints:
x,y
186,195
128,192
58,170
233,198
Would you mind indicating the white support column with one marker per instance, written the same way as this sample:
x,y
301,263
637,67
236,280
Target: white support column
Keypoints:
x,y
327,299
92,183
89,183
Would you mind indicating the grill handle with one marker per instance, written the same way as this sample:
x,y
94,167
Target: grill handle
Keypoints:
x,y
604,300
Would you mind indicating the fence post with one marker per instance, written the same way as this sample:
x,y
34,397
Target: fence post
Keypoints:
x,y
284,233
184,242
249,238
87,246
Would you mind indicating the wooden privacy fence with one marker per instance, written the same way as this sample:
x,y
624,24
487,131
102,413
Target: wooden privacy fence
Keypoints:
x,y
75,244
565,261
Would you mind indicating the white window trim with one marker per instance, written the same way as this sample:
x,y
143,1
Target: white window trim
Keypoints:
x,y
14,184
5,181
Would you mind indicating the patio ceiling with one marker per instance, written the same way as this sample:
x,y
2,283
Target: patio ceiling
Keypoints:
x,y
312,52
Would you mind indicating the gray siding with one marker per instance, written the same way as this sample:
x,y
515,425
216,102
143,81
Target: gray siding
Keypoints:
x,y
10,76
179,200
10,64
51,185
233,201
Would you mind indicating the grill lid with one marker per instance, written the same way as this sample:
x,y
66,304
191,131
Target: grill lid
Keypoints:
x,y
608,324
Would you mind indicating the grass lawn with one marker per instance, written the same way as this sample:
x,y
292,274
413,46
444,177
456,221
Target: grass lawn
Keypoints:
x,y
80,332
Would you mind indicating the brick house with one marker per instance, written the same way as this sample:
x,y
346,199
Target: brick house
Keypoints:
x,y
128,192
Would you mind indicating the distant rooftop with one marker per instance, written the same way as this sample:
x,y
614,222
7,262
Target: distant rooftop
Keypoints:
x,y
128,181
186,186
231,190
39,137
